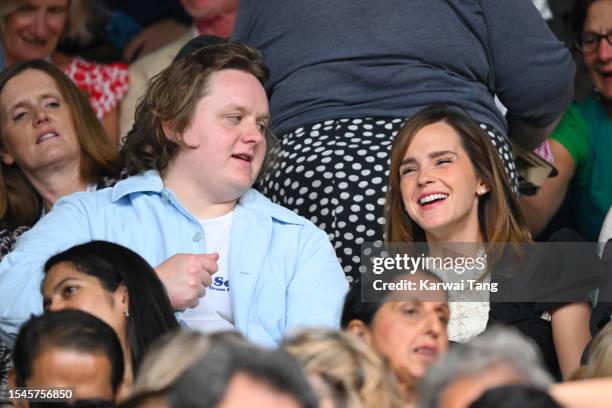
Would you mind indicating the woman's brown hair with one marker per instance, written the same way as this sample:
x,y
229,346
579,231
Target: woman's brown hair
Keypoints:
x,y
20,204
172,97
499,215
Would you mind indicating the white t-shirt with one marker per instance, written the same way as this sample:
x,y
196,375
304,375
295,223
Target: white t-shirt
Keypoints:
x,y
214,312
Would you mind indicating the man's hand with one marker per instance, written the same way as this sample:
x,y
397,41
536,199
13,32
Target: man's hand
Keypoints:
x,y
152,38
186,277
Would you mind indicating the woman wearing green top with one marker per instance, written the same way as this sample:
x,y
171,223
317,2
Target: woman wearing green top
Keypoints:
x,y
582,142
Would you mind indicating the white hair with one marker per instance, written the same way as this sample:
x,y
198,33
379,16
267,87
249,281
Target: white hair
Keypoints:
x,y
498,346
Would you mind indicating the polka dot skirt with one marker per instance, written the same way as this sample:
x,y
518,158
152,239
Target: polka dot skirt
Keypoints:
x,y
335,173
505,153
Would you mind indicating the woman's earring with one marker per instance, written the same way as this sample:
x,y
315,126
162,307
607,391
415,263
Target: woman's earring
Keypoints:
x,y
127,313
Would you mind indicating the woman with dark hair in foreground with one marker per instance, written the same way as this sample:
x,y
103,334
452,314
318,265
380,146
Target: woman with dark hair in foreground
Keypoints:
x,y
118,286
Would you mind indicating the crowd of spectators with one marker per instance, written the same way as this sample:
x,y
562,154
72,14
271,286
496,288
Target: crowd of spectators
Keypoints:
x,y
204,203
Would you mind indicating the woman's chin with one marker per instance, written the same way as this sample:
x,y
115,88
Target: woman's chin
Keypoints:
x,y
435,227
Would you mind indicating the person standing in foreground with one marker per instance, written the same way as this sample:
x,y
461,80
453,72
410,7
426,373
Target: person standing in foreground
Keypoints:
x,y
190,210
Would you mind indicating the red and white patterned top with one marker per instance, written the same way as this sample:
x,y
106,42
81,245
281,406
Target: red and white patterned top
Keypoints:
x,y
105,84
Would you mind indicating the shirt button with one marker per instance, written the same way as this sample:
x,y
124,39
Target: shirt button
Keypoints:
x,y
165,194
197,236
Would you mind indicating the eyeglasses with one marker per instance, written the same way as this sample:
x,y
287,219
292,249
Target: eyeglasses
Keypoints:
x,y
588,42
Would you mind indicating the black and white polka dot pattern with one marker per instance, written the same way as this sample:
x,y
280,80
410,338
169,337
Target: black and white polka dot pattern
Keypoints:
x,y
335,173
505,153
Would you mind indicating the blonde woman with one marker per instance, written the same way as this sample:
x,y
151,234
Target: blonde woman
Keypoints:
x,y
343,370
167,358
600,357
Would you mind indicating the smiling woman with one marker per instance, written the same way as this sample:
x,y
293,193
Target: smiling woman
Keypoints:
x,y
447,185
436,154
25,38
444,176
32,29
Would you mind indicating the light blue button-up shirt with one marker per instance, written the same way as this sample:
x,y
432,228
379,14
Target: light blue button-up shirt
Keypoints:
x,y
283,269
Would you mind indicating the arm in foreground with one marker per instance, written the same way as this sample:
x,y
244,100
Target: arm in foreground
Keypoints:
x,y
582,394
571,334
21,271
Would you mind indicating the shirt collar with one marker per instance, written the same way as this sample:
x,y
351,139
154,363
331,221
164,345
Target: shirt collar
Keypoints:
x,y
151,182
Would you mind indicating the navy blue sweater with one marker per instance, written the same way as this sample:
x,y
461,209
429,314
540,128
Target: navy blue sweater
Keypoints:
x,y
333,59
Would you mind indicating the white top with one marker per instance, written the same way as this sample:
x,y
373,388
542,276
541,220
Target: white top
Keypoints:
x,y
469,310
467,320
214,312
